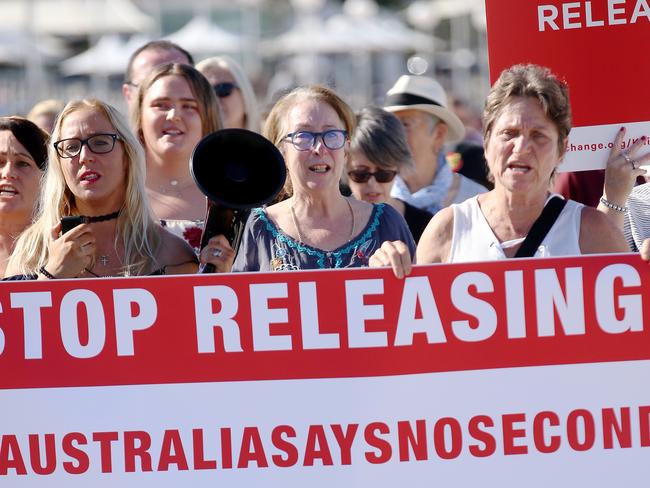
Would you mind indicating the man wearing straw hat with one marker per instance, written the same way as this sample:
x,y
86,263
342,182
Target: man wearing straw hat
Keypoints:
x,y
421,104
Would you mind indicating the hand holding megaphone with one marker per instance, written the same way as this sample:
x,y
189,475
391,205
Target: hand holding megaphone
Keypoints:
x,y
217,253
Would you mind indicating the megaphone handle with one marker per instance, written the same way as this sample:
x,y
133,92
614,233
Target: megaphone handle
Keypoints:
x,y
207,268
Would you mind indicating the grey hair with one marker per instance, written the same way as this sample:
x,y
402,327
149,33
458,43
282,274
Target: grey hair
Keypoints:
x,y
381,138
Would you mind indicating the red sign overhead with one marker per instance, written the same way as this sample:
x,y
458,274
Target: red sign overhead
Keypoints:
x,y
598,46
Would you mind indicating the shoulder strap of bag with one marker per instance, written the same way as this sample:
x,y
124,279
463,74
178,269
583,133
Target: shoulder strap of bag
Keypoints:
x,y
541,227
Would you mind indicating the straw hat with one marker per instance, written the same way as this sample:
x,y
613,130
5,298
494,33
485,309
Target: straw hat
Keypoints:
x,y
426,94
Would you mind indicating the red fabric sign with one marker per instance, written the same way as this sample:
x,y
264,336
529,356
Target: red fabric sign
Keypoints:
x,y
334,324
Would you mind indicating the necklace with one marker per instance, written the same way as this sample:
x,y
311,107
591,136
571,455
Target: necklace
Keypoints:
x,y
103,259
295,221
99,218
175,187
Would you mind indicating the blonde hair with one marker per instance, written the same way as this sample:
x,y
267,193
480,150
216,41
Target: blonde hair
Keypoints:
x,y
136,229
275,128
50,106
208,105
252,117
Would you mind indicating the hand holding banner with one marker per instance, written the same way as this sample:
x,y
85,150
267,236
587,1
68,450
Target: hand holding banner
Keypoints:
x,y
597,47
353,376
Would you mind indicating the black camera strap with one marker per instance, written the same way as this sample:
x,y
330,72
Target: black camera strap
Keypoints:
x,y
541,227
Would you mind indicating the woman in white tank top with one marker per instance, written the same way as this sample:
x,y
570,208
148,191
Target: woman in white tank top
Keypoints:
x,y
527,120
526,124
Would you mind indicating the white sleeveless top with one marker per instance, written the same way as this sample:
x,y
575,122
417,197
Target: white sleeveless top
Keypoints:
x,y
474,240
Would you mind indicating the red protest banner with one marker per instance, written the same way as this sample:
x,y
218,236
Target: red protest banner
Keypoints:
x,y
329,377
596,47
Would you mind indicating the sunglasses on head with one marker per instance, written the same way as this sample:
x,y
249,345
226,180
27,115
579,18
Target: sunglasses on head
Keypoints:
x,y
223,90
363,175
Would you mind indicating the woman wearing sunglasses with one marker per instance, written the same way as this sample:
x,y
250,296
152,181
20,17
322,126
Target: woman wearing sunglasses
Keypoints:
x,y
317,227
234,91
379,152
94,219
175,107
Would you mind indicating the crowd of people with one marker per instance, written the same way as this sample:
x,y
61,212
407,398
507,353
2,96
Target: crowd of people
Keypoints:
x,y
86,191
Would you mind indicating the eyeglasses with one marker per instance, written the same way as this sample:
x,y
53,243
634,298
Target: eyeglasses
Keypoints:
x,y
223,90
304,140
363,176
99,144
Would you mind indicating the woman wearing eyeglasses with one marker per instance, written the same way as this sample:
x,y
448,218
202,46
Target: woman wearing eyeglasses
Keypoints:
x,y
95,175
234,91
379,152
316,227
175,107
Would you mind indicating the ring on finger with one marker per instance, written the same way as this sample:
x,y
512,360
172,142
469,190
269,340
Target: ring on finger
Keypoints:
x,y
628,159
216,253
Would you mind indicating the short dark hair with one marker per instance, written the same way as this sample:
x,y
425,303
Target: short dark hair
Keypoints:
x,y
161,45
32,137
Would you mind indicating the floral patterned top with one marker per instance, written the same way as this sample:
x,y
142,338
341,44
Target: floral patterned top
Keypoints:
x,y
189,230
265,247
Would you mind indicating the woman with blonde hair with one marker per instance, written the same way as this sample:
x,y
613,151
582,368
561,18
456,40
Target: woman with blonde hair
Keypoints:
x,y
44,113
175,108
234,90
96,176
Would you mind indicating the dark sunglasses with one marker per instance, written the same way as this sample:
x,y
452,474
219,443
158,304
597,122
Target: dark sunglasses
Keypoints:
x,y
363,176
224,90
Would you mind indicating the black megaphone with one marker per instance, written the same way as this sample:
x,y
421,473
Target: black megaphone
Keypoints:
x,y
237,170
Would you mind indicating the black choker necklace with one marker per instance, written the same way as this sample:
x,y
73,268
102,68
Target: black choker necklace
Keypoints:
x,y
100,218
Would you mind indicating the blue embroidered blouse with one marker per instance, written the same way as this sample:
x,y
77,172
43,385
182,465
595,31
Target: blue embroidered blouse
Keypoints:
x,y
265,247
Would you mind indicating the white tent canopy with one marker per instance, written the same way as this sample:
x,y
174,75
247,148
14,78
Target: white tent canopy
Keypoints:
x,y
73,17
16,48
201,36
108,57
354,30
426,14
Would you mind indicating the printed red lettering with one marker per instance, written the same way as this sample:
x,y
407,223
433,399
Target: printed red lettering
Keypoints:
x,y
409,441
317,447
285,446
345,441
252,449
476,432
226,448
68,445
384,450
172,452
35,454
510,434
588,429
10,455
622,429
199,452
644,425
439,438
105,439
539,434
131,451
